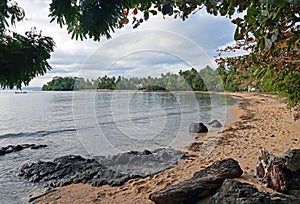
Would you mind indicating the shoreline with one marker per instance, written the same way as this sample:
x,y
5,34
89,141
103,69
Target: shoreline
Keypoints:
x,y
260,120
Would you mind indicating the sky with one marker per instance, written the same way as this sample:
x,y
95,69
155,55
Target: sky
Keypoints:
x,y
157,46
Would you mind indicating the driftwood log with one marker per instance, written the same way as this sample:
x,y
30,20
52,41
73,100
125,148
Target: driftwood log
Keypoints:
x,y
281,173
203,183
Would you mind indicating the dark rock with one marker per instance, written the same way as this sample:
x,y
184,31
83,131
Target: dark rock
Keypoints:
x,y
215,124
292,159
11,148
71,169
2,152
233,191
227,168
198,128
38,146
203,183
146,152
18,148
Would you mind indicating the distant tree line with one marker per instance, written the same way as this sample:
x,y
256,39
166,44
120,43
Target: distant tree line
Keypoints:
x,y
207,79
202,80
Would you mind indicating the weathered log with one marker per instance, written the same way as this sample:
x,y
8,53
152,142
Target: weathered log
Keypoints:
x,y
276,177
280,173
203,183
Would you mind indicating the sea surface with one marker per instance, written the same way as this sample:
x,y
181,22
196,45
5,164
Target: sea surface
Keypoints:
x,y
96,124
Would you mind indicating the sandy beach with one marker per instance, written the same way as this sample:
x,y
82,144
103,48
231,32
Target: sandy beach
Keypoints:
x,y
260,120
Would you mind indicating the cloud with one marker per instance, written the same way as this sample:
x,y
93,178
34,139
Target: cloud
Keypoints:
x,y
158,45
146,50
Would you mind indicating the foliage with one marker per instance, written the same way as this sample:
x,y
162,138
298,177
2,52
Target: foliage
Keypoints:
x,y
99,18
185,80
21,57
270,31
60,84
94,19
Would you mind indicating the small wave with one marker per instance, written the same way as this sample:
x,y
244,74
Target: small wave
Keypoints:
x,y
35,134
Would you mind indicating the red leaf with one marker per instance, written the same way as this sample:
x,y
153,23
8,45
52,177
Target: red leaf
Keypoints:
x,y
125,12
135,11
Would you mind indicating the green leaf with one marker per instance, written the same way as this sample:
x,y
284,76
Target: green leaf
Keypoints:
x,y
146,15
254,58
237,21
252,11
237,34
153,12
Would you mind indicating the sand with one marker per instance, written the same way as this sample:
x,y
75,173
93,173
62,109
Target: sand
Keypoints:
x,y
261,120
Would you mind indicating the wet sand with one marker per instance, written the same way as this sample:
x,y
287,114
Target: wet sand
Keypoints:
x,y
260,120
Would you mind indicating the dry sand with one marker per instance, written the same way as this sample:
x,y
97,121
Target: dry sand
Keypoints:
x,y
260,121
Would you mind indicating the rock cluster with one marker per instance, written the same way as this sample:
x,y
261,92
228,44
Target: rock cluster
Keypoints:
x,y
112,170
215,184
16,148
201,128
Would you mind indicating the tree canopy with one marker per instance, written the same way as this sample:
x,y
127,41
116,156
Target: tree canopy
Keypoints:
x,y
22,57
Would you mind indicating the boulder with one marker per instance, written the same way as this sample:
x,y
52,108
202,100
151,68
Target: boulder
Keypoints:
x,y
203,183
215,124
198,128
233,191
292,159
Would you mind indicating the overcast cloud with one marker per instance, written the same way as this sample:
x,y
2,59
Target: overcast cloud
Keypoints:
x,y
157,46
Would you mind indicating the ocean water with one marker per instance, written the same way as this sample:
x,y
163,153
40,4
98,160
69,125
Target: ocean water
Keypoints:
x,y
96,124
